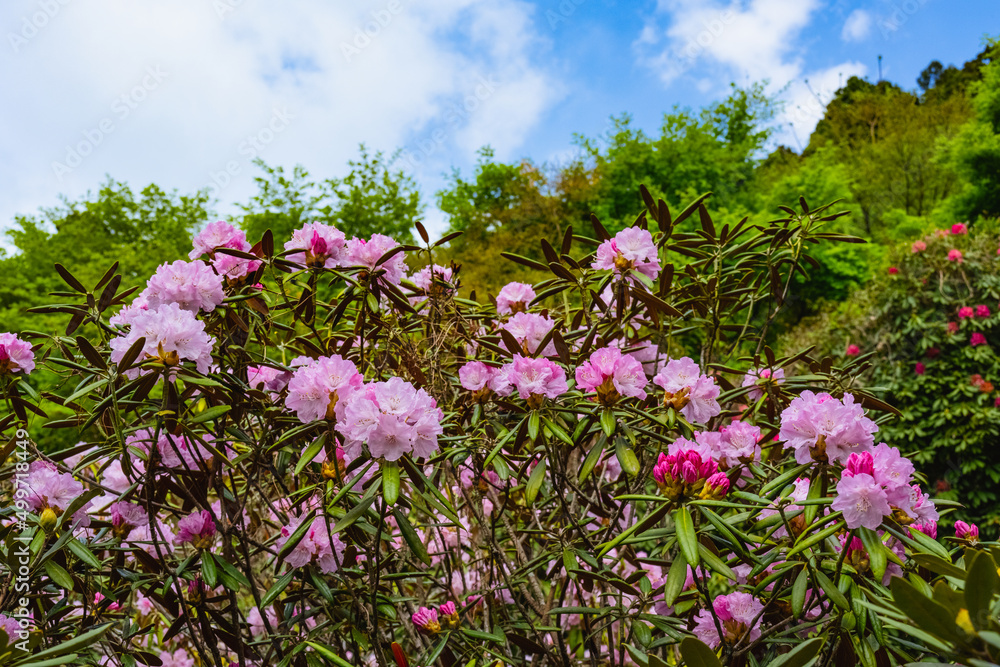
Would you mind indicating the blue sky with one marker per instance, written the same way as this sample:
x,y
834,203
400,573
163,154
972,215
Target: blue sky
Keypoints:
x,y
185,93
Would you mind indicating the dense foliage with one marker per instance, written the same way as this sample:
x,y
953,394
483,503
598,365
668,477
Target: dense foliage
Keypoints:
x,y
306,457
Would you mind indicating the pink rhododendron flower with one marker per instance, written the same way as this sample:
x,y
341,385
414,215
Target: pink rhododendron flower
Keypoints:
x,y
967,531
514,298
918,246
982,311
125,516
862,501
929,529
12,628
393,417
49,488
273,379
317,545
426,620
178,658
534,379
756,377
612,375
893,270
529,329
739,615
175,451
16,355
475,375
919,369
367,253
424,280
256,621
952,327
738,444
193,286
128,314
819,425
319,246
965,312
630,249
688,391
959,228
852,350
172,335
317,388
977,339
218,234
955,255
197,529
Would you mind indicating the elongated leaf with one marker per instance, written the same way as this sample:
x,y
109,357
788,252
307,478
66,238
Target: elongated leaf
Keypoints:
x,y
534,482
410,535
980,587
276,589
697,654
801,655
686,536
831,590
876,551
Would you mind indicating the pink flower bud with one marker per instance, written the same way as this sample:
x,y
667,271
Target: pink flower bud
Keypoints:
x,y
967,531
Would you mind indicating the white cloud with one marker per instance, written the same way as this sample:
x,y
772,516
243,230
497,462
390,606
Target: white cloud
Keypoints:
x,y
710,43
301,82
857,27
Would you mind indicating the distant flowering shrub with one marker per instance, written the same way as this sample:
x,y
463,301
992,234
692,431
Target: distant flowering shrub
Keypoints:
x,y
307,456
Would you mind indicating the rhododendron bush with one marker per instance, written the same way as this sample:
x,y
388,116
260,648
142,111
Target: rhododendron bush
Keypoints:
x,y
326,455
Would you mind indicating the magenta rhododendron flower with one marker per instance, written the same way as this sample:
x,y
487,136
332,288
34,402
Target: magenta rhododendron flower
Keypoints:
x,y
852,350
193,286
967,531
952,327
918,246
919,369
393,417
688,391
862,501
317,387
893,270
965,312
955,255
172,335
529,329
514,298
367,253
982,311
426,619
959,228
819,425
196,529
16,355
739,615
977,339
631,249
757,377
534,379
612,375
929,529
684,473
319,246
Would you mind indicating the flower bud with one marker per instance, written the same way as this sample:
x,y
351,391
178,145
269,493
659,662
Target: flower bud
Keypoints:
x,y
716,487
48,520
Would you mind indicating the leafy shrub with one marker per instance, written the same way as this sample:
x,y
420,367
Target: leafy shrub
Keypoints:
x,y
305,457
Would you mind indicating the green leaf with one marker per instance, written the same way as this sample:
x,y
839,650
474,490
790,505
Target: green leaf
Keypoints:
x,y
799,592
715,562
801,655
296,537
356,513
627,458
275,590
939,565
208,569
534,482
390,482
980,587
876,551
831,590
59,575
310,453
83,553
686,536
592,458
328,653
69,646
697,654
807,540
925,612
410,535
675,579
608,421
210,413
